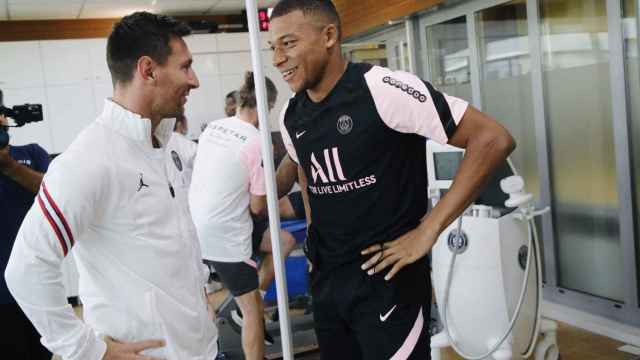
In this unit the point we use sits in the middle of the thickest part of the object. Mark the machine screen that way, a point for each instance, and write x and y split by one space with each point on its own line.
446 164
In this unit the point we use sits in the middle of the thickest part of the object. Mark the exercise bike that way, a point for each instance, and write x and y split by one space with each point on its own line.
302 325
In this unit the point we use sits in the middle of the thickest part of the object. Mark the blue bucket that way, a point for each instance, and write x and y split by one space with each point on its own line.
297 278
298 228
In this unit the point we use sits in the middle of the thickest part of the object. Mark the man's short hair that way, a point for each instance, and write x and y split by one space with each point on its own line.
1 98
140 34
232 95
323 8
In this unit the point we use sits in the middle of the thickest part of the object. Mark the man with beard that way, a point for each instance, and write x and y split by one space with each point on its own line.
118 197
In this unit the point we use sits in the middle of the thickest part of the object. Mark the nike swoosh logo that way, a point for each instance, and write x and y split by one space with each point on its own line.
298 135
384 318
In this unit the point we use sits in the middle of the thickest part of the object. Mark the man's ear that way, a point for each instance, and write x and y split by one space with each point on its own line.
332 36
145 68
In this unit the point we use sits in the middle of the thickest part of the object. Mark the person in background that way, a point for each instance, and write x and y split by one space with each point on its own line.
231 103
21 172
357 133
228 201
117 198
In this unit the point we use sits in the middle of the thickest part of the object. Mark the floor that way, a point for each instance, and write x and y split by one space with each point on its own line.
578 344
574 343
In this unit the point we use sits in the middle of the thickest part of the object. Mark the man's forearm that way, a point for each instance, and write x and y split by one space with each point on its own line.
302 180
34 277
482 157
286 176
24 176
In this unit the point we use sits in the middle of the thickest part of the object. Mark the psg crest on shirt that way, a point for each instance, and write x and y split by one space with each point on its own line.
345 124
176 160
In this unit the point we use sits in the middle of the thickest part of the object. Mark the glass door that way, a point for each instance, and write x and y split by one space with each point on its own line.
579 115
448 57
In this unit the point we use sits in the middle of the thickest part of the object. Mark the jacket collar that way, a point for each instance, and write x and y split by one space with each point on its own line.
134 126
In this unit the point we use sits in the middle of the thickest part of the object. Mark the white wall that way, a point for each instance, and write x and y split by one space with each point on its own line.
70 79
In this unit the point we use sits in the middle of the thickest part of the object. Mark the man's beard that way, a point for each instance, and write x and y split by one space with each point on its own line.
176 112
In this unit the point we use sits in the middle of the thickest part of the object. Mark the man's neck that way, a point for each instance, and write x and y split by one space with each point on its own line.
137 105
334 71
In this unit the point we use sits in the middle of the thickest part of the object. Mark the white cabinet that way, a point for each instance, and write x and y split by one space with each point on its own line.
233 42
98 69
65 61
205 65
240 41
204 104
71 79
202 43
100 75
235 62
284 92
71 108
101 92
20 65
230 83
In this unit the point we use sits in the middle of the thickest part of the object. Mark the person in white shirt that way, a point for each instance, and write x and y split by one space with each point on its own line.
117 198
226 190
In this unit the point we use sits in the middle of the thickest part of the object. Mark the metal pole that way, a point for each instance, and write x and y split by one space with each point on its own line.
411 45
272 194
543 146
401 52
621 134
474 60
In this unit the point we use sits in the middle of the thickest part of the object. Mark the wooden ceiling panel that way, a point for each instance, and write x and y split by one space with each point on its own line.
361 15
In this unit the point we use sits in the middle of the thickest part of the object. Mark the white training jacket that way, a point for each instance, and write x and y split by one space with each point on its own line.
122 206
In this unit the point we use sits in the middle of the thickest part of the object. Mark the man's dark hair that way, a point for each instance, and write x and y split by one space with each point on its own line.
232 95
324 8
1 98
141 34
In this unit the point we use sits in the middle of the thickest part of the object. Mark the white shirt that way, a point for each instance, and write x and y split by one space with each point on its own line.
227 170
122 206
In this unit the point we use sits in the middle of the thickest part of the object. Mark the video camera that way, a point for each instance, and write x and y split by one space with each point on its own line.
21 115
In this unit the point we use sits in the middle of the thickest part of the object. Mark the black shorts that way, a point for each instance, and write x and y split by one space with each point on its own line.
358 316
295 198
239 277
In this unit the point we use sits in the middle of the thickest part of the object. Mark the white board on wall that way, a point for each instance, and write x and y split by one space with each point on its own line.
65 61
71 109
21 65
70 78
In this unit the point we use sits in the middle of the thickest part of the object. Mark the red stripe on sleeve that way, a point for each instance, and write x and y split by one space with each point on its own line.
59 213
53 225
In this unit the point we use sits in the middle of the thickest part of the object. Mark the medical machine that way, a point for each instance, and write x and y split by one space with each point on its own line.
486 269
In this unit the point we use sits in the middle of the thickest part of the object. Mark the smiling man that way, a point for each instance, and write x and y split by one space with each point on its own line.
117 198
358 135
